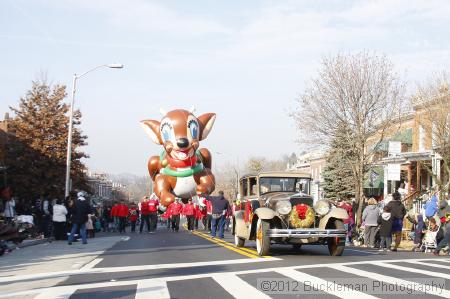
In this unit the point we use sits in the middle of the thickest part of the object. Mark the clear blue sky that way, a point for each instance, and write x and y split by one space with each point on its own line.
247 61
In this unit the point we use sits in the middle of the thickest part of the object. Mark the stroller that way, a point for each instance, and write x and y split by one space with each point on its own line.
358 236
429 241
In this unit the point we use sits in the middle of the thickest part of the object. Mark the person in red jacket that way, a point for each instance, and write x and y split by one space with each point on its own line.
144 215
153 204
134 214
122 213
166 216
115 217
349 222
198 215
203 214
175 211
189 212
208 215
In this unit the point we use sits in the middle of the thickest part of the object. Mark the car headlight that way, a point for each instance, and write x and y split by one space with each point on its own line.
322 207
283 207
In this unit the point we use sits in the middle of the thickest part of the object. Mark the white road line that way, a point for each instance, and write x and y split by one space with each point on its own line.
156 288
132 268
91 264
388 279
237 287
337 266
363 251
303 277
414 270
59 293
430 265
125 238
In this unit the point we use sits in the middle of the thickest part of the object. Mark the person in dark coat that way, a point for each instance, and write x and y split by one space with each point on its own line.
398 212
385 220
444 216
219 208
419 228
81 210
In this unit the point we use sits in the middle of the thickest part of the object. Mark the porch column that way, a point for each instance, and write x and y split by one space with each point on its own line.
419 185
436 166
409 177
385 181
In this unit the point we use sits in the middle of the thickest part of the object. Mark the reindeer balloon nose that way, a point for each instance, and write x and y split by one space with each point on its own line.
182 170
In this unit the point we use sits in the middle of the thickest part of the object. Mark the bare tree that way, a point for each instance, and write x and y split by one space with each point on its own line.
227 180
432 103
360 91
258 164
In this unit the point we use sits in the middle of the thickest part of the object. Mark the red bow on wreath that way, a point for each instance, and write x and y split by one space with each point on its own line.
301 210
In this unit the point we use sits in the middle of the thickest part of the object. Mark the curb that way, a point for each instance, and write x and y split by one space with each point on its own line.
33 243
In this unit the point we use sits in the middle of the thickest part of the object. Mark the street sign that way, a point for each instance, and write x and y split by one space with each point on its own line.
395 148
393 172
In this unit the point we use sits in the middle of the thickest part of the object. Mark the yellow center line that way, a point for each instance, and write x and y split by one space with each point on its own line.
252 251
228 246
241 250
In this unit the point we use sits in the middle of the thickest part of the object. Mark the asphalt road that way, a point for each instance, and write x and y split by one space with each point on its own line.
184 265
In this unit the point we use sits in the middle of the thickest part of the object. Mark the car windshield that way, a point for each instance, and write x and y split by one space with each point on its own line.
268 184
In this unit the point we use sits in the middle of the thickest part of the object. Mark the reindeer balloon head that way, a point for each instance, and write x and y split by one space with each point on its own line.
182 170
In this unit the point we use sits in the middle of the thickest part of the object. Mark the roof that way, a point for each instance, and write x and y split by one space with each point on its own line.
289 174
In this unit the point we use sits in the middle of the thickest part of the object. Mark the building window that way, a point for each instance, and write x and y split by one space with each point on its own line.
433 135
320 172
421 138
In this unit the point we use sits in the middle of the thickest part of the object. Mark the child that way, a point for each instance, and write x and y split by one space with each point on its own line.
419 229
432 236
90 226
385 221
133 216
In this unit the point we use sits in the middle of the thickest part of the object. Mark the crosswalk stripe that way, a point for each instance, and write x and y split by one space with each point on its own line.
414 270
60 293
131 268
237 287
156 289
387 279
302 277
92 264
430 265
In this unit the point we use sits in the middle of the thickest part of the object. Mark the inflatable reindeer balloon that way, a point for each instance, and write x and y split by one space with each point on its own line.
182 170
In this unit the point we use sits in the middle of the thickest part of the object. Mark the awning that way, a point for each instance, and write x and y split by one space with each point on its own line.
405 137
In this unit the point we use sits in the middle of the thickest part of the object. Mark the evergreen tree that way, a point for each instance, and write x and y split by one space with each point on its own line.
37 150
338 173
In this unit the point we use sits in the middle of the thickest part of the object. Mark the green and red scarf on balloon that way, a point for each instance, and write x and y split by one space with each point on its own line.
189 167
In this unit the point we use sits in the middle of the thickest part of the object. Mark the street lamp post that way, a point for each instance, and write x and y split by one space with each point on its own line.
69 138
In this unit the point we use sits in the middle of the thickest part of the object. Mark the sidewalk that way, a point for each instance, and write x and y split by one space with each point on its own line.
49 257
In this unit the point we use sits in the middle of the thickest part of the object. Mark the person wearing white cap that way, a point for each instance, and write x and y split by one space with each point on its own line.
80 216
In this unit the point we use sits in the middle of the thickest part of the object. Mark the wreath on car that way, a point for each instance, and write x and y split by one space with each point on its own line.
302 216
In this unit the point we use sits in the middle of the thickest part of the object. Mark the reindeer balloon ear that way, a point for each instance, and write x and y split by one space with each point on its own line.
151 127
206 122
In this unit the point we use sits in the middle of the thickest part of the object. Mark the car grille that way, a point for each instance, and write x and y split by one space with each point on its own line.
301 200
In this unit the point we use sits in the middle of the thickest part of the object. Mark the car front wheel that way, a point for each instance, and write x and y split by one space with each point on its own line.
336 245
262 239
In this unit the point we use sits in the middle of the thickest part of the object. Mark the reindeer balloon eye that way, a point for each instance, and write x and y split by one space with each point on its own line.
193 128
166 132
